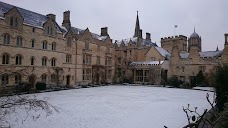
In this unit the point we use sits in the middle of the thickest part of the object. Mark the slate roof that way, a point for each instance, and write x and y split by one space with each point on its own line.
30 18
134 41
205 54
163 52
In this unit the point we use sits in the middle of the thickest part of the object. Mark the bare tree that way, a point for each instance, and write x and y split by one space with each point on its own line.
58 72
10 101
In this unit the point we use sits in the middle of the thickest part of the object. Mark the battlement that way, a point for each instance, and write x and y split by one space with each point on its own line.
171 38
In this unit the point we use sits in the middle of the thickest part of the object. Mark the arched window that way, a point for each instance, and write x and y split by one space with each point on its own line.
33 43
53 46
6 39
19 41
18 60
17 78
53 62
49 30
44 78
5 79
53 77
68 58
44 45
69 42
32 60
5 58
44 61
11 21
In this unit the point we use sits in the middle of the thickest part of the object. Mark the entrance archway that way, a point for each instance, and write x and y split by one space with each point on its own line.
32 80
68 80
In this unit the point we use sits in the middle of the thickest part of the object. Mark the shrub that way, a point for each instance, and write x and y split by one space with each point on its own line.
23 87
40 86
173 81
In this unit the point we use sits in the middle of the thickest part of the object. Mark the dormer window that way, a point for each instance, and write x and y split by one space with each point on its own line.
13 22
33 30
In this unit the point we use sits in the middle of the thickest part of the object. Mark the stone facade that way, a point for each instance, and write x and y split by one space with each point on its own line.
40 50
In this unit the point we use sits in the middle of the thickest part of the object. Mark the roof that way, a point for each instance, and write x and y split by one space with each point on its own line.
152 63
30 18
163 52
205 54
134 41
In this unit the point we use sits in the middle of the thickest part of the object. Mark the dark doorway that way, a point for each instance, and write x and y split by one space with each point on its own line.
32 80
68 80
193 81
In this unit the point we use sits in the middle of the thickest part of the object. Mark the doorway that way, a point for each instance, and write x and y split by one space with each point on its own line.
68 80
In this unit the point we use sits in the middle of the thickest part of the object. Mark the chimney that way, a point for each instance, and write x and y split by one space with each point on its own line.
66 20
140 33
148 36
226 37
51 16
104 31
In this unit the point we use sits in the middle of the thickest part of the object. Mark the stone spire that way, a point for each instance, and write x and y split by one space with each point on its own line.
217 49
137 27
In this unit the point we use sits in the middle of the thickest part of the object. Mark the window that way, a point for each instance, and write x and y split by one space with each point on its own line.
44 78
107 50
87 44
108 61
44 61
98 60
68 58
53 62
19 41
33 30
18 60
139 76
17 78
87 74
44 44
5 58
49 30
6 39
5 79
98 48
152 58
202 68
109 74
33 43
87 58
32 60
13 22
53 77
119 60
69 42
146 76
53 46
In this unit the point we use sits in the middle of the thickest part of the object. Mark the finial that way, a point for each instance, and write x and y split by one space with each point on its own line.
137 12
194 29
217 49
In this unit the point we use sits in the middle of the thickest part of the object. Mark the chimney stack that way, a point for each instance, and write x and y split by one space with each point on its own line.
226 37
51 16
104 31
66 20
148 36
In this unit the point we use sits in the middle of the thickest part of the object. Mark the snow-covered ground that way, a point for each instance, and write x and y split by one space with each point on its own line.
117 107
204 88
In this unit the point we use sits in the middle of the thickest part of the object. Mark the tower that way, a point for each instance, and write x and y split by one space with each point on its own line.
194 40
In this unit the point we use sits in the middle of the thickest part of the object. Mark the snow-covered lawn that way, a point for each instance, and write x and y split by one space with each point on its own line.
118 107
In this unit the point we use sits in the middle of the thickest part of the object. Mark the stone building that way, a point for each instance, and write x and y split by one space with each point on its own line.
34 47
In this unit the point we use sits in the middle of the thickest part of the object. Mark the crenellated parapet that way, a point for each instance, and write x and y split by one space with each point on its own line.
171 38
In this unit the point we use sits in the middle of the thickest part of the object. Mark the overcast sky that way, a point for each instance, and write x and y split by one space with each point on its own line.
157 17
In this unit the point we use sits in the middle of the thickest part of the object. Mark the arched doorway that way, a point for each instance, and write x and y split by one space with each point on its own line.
68 80
32 80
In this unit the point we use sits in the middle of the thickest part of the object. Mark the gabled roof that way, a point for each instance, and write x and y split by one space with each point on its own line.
135 40
163 52
30 18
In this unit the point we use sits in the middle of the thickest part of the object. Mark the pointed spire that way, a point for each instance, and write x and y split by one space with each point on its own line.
194 29
137 26
217 49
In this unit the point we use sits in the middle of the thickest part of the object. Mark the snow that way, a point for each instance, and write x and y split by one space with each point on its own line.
163 52
204 88
118 107
147 63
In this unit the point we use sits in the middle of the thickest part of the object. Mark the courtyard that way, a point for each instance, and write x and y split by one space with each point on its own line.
116 107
